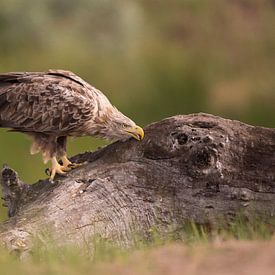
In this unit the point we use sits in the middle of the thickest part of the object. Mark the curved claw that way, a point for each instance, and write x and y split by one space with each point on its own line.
68 165
48 172
61 169
56 169
66 168
74 165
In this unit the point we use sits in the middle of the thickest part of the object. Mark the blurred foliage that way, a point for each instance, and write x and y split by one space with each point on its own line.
152 58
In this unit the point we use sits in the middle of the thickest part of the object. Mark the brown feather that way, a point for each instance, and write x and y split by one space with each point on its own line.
31 102
49 106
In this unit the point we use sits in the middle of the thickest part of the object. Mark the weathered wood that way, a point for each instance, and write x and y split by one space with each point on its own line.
195 167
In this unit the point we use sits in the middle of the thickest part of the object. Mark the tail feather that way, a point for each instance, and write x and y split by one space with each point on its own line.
6 81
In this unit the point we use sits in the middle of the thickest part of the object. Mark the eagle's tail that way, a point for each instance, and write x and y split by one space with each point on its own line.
6 81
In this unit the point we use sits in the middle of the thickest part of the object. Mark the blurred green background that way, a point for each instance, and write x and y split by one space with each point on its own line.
152 58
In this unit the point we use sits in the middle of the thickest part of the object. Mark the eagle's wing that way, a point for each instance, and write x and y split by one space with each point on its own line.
53 102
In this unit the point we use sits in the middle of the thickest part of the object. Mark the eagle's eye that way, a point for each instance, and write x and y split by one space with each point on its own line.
124 125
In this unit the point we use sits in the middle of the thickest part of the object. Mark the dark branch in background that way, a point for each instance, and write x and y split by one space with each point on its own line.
196 167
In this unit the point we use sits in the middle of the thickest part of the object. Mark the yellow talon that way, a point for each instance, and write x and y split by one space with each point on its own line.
61 169
65 161
75 165
67 164
56 169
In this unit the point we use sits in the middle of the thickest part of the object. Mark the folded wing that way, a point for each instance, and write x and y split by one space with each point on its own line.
56 102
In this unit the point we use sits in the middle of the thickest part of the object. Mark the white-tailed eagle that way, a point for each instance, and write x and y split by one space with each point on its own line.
50 106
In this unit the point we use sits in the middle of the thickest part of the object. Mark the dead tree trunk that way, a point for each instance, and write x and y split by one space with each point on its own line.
195 167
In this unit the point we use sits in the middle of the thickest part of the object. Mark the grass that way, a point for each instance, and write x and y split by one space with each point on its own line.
104 257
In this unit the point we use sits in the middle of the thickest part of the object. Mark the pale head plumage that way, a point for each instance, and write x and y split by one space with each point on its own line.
110 123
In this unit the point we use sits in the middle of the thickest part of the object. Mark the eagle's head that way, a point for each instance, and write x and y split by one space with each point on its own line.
117 126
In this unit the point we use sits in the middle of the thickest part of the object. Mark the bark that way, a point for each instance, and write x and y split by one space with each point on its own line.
195 167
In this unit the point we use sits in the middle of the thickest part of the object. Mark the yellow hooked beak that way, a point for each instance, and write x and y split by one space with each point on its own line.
136 132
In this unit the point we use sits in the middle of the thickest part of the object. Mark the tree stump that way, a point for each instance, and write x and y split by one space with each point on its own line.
196 167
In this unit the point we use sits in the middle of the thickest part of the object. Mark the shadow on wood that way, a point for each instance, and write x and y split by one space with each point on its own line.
195 167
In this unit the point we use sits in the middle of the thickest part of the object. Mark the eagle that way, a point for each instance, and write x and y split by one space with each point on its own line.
54 105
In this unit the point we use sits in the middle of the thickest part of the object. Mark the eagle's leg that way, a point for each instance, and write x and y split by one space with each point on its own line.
49 147
67 165
56 169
